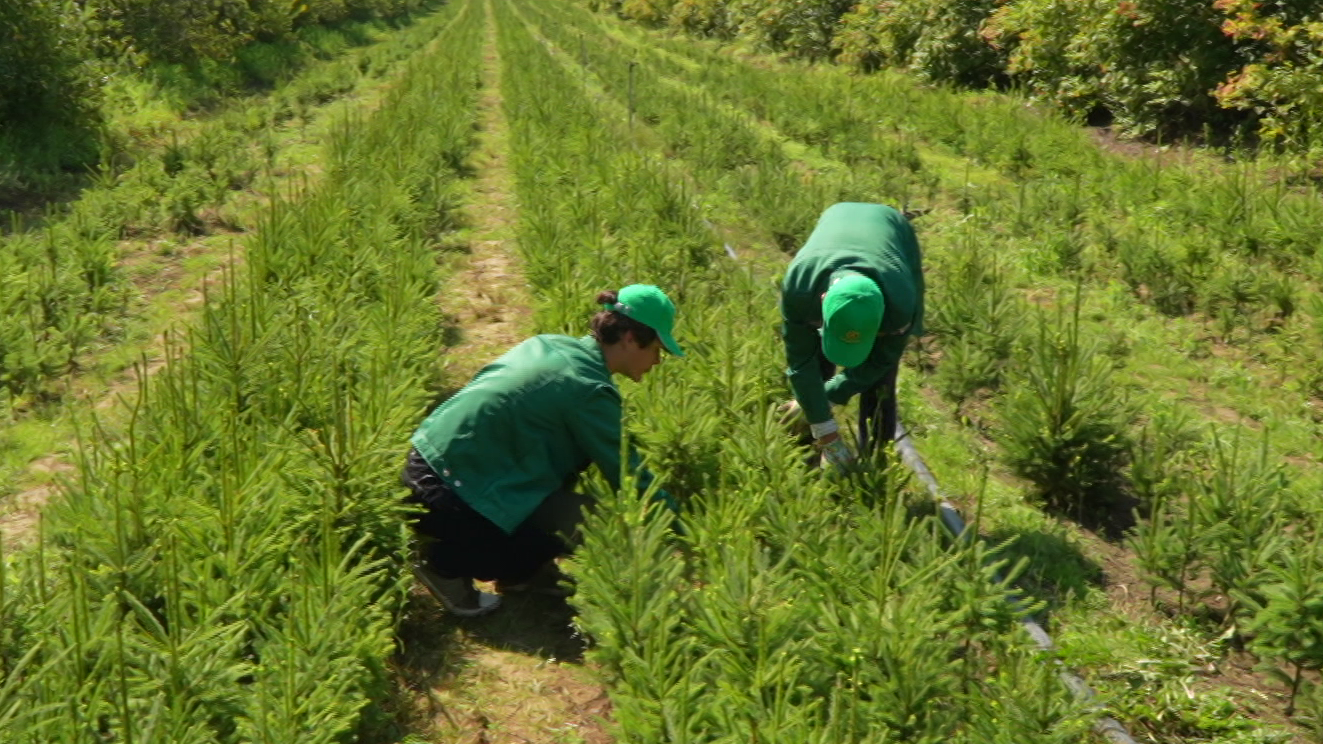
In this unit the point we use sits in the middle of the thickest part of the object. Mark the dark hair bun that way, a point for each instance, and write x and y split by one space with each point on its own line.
606 298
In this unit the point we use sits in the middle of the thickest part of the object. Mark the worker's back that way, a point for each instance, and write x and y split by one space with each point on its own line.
511 436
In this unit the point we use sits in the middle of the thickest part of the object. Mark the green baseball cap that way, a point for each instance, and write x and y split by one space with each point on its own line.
651 307
851 314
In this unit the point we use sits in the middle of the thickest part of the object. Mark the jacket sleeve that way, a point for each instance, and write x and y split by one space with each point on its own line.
850 382
802 367
596 428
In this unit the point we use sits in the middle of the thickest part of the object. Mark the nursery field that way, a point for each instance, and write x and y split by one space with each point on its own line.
1121 389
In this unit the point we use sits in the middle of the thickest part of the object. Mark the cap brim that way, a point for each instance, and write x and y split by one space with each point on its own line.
845 355
670 344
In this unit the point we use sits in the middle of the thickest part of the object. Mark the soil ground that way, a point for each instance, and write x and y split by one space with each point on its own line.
516 676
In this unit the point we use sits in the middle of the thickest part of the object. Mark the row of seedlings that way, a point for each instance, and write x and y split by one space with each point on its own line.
64 289
793 609
230 568
728 150
1232 242
1066 428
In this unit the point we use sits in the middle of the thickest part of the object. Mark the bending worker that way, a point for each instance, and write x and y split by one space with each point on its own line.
493 466
851 297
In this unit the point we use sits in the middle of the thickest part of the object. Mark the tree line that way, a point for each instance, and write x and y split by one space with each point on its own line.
1239 69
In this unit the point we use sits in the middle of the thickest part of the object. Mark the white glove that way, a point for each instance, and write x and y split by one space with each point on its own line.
836 454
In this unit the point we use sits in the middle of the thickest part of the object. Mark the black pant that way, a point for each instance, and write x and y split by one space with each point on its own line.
461 543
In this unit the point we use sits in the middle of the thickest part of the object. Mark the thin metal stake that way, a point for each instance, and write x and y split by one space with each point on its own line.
632 65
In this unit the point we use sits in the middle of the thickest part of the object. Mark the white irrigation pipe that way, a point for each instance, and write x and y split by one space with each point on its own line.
1106 726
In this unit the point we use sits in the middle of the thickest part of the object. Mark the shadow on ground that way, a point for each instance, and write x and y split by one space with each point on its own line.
515 675
433 642
1056 566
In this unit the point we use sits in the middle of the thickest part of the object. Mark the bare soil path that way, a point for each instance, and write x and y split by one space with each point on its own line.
516 676
486 294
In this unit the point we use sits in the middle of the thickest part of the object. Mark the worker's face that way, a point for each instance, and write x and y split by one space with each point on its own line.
639 359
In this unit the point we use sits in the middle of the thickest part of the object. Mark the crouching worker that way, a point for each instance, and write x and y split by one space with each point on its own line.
494 465
851 297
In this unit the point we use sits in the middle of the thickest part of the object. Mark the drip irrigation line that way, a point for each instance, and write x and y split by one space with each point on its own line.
1107 727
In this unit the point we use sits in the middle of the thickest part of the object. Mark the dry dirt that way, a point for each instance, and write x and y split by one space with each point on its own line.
516 676
487 296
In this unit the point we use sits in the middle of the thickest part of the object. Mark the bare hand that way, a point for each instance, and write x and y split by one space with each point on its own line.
787 413
791 416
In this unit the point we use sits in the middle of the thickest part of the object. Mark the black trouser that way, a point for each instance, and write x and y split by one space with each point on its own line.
877 413
877 407
464 544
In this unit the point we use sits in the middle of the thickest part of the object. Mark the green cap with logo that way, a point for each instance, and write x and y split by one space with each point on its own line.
851 314
651 307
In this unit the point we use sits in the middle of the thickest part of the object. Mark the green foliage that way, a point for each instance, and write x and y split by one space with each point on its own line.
48 96
940 40
189 33
704 18
1284 80
647 12
1287 623
1239 508
1167 539
788 611
1168 548
802 28
1162 234
60 292
63 289
1151 63
975 315
1151 66
1160 456
1063 422
228 569
64 63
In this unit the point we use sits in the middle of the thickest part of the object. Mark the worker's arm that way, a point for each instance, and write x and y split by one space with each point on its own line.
802 366
596 427
885 356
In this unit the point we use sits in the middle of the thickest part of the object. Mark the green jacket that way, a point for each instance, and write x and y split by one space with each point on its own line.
527 422
878 242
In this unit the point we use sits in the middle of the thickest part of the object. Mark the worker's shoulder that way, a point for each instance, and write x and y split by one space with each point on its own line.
850 211
577 360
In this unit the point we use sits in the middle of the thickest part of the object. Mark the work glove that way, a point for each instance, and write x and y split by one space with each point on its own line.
836 455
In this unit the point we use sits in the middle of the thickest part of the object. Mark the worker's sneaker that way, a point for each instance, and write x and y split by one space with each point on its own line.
458 596
546 581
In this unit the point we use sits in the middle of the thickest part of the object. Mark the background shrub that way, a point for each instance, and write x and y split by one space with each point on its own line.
1162 68
941 40
1152 64
47 97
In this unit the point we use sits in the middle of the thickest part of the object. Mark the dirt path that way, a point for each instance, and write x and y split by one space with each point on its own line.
516 676
486 294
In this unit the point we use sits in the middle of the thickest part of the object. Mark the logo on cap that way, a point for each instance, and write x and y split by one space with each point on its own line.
851 337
